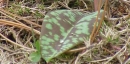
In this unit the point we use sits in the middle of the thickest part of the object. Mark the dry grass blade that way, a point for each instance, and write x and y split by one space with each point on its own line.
125 3
6 49
20 18
81 48
10 17
87 51
115 19
64 5
5 22
110 46
119 52
16 43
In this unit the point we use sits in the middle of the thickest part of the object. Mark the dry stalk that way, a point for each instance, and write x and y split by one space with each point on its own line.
96 30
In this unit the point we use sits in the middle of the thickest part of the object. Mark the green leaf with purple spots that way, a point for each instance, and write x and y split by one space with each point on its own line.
64 29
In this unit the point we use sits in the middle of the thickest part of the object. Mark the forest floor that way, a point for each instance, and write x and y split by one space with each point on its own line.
18 19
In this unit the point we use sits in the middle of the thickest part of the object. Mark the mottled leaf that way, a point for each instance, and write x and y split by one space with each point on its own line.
64 29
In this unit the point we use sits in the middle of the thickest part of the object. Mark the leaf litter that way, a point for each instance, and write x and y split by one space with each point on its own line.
110 46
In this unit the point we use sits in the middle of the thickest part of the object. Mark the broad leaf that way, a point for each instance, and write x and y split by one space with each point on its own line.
36 56
64 29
